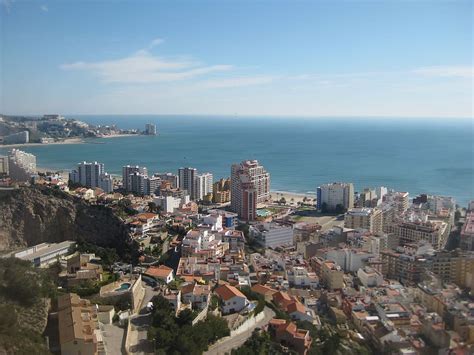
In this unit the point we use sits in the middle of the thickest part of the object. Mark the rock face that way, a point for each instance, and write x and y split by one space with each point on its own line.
32 215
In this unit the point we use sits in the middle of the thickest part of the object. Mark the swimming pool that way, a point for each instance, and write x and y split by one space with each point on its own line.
123 287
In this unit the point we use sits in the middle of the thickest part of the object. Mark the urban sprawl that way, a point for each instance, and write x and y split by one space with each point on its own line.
239 266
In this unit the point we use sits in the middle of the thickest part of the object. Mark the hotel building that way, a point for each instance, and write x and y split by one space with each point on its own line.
250 186
21 165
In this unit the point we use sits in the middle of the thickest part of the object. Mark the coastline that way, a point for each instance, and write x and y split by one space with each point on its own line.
66 141
23 145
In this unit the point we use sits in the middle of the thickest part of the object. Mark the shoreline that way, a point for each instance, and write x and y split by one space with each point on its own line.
76 140
289 196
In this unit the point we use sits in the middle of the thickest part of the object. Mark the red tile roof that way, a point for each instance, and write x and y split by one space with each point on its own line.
161 271
226 292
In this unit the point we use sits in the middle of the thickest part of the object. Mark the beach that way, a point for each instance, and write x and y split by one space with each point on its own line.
65 141
291 196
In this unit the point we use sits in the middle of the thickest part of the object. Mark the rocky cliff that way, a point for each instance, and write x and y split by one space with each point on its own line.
32 215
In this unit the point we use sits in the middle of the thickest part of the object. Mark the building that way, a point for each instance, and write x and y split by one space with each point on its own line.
88 174
364 218
150 129
106 183
4 165
330 196
79 331
332 275
186 178
271 234
232 299
467 232
21 165
202 186
127 171
250 186
369 277
221 191
287 333
168 204
162 272
456 266
44 254
17 138
434 232
169 177
152 185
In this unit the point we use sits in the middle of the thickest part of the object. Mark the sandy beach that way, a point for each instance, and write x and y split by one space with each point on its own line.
66 141
297 197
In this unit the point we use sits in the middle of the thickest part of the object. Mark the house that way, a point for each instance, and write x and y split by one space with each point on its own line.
298 311
265 291
196 295
162 272
287 333
232 299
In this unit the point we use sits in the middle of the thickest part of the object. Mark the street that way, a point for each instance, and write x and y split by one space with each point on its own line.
225 345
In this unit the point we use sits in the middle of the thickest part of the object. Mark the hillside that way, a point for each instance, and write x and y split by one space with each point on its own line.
32 215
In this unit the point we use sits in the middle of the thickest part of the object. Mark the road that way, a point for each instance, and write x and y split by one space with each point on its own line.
139 343
225 345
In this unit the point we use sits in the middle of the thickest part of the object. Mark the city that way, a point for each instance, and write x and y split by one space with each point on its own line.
375 271
237 177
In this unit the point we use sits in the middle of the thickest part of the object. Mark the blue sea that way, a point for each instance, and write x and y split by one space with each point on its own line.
415 155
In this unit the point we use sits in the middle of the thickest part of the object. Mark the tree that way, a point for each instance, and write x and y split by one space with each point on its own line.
282 201
340 209
152 207
324 207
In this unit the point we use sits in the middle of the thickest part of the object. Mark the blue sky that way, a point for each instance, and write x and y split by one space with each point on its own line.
290 58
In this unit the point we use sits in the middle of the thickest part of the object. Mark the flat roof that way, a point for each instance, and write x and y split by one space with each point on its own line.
50 249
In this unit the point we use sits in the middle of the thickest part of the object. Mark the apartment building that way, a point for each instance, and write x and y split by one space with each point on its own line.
332 275
434 232
221 191
21 165
250 186
186 178
330 196
79 331
202 186
127 171
364 218
272 234
467 232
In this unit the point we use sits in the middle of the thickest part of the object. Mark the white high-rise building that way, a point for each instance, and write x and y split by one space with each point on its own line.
334 194
150 129
186 178
129 170
202 185
250 186
88 174
21 165
106 183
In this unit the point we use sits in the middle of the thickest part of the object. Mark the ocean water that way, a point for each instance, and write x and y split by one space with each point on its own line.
419 156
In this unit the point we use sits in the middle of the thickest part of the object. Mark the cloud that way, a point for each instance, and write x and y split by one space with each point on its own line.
155 42
44 8
447 71
236 82
142 67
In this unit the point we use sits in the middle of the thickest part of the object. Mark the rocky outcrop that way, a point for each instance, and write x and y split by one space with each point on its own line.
32 215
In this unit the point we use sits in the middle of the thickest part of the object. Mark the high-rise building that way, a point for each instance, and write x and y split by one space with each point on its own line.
152 185
129 170
106 183
87 174
202 185
250 186
150 129
186 178
137 183
3 165
21 165
330 196
364 218
171 178
17 138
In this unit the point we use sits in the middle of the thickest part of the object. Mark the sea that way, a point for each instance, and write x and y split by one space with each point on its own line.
414 155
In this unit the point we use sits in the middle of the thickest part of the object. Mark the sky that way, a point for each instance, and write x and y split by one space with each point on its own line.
271 58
